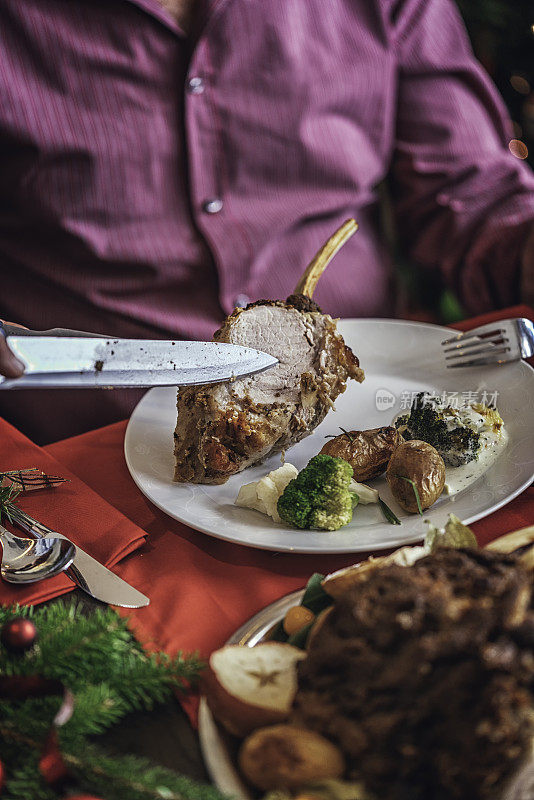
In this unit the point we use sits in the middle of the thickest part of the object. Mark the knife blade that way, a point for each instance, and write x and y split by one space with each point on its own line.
101 583
62 361
85 571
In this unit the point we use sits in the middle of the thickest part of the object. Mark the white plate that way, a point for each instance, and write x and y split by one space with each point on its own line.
398 358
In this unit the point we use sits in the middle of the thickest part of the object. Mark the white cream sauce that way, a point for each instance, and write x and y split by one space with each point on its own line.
459 478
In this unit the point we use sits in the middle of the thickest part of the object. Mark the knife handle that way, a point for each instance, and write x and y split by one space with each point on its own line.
19 330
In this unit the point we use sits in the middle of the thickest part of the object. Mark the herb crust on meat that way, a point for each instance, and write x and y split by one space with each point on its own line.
224 428
424 676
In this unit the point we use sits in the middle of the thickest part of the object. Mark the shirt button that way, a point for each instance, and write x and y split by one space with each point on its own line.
195 85
242 301
213 206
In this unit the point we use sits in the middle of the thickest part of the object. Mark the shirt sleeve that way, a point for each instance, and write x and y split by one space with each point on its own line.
464 204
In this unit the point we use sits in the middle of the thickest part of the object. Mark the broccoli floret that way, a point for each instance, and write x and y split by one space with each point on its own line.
319 497
435 423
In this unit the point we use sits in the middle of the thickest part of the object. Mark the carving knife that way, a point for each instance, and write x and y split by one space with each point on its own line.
71 359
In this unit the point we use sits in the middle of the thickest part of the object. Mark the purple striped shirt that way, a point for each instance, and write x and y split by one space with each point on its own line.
151 181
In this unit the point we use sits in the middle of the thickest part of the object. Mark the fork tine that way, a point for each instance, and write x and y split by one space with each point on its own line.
462 346
495 343
483 358
482 352
479 362
484 331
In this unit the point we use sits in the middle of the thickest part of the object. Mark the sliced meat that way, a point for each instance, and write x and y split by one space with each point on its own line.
424 676
223 429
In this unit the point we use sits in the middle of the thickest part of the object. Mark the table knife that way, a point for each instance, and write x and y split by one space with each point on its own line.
85 571
74 359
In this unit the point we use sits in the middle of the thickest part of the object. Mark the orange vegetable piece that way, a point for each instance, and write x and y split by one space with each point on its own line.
297 618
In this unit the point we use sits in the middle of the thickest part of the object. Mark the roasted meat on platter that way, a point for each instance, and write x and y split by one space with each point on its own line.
224 428
423 676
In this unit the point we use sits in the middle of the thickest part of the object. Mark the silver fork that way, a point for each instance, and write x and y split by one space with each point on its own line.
496 343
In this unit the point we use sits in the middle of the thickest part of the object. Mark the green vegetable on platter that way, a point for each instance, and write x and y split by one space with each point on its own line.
320 495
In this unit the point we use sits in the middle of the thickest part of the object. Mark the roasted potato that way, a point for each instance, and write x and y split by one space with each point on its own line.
286 757
368 452
421 463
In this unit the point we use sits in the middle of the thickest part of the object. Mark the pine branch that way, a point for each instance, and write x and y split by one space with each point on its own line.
110 675
31 718
68 642
7 495
97 708
20 753
132 778
26 783
120 777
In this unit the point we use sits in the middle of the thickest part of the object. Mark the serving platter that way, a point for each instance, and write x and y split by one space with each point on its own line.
399 358
218 747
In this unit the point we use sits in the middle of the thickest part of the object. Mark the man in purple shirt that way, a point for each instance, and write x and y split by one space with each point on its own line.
165 160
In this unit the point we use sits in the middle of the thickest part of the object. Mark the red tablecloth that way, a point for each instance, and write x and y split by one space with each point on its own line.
201 588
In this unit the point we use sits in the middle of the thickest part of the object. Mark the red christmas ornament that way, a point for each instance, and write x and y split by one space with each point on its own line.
18 635
2 776
51 765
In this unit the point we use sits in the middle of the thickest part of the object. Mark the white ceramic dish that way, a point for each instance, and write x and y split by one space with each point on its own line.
399 358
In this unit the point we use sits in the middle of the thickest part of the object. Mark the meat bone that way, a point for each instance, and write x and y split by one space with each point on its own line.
316 267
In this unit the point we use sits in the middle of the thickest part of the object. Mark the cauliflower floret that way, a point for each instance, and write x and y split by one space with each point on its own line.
263 495
247 497
267 494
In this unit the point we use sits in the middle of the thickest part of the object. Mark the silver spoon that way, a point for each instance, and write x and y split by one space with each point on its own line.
31 560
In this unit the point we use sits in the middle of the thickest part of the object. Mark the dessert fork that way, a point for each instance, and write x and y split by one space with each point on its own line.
495 343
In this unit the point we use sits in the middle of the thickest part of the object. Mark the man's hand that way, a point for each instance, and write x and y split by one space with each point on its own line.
527 275
10 366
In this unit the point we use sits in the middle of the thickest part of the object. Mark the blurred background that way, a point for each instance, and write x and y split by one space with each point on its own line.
502 36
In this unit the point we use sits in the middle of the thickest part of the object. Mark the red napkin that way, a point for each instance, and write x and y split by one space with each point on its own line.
202 589
72 509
